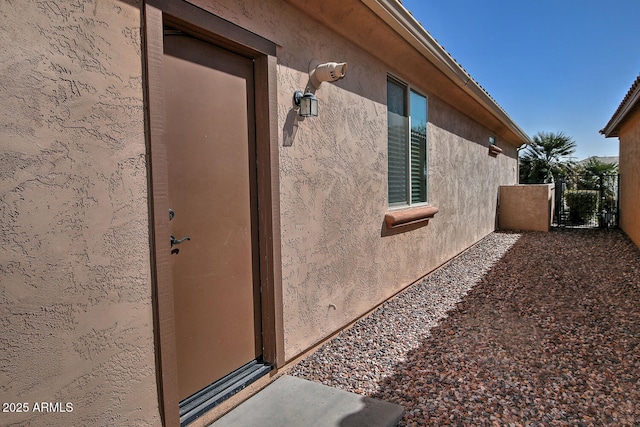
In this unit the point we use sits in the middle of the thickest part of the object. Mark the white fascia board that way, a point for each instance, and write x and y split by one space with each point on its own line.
613 127
401 20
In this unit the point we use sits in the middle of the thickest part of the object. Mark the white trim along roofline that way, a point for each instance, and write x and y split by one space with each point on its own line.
628 104
401 20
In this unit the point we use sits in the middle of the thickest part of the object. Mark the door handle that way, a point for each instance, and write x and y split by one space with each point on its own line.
175 241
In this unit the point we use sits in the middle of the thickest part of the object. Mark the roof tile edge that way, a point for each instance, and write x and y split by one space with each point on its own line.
403 22
630 100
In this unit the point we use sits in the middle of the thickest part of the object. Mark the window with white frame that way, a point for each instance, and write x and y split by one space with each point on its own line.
407 145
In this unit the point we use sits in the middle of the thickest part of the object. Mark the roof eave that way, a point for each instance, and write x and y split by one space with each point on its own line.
631 101
401 20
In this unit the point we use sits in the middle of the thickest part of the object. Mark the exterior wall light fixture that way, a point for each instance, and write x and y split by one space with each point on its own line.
318 73
307 102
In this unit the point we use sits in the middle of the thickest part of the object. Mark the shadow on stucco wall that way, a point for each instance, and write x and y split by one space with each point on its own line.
385 232
290 128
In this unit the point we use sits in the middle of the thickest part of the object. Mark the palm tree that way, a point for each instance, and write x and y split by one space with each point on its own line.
593 169
600 176
546 159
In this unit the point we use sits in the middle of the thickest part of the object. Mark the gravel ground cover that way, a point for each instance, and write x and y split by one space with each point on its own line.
539 329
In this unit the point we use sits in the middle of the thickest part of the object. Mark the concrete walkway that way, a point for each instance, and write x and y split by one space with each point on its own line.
294 402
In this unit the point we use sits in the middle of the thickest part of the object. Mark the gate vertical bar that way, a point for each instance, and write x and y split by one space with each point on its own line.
600 208
618 200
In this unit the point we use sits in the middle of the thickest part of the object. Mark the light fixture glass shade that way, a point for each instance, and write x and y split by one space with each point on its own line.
308 104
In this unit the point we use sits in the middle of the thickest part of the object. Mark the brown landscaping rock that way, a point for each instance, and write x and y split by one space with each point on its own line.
522 329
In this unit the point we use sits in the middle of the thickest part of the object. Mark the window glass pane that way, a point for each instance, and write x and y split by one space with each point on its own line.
397 155
418 105
418 111
407 144
396 96
398 137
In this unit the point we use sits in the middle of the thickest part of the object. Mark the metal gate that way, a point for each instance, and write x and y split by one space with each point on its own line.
587 201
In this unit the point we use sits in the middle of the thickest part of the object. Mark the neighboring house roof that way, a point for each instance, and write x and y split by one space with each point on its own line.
629 104
609 160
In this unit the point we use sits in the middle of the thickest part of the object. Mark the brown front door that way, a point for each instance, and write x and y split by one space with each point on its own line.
210 131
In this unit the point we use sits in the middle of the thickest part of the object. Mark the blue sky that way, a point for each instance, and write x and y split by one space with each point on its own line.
553 65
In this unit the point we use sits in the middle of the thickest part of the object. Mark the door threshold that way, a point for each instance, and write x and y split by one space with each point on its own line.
197 404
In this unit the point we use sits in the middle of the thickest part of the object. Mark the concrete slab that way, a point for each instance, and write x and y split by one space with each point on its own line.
294 402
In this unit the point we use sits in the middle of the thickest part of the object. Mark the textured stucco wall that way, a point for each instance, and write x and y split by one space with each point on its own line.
338 260
526 207
630 178
465 177
333 197
76 293
76 313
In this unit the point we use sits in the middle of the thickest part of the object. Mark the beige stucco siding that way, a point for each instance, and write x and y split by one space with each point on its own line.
630 177
76 289
464 177
526 207
76 312
338 260
332 185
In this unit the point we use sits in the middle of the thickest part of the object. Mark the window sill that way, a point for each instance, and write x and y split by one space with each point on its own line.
494 150
409 216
